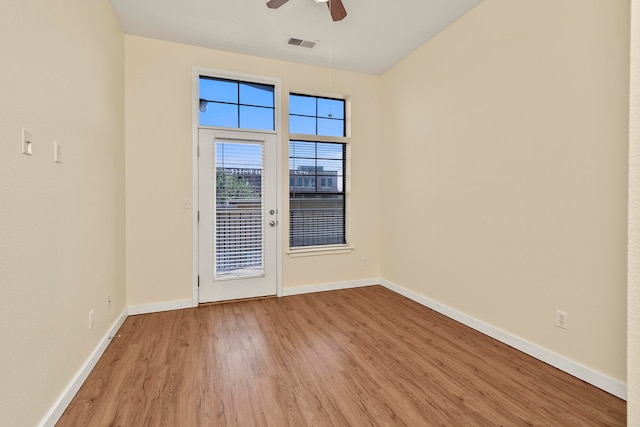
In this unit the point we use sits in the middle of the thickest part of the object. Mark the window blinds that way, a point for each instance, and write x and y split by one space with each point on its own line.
239 234
317 197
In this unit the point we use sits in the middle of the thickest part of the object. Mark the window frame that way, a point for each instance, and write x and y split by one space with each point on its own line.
318 117
300 251
196 73
241 79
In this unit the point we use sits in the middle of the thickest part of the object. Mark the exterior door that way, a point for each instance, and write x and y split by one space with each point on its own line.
238 215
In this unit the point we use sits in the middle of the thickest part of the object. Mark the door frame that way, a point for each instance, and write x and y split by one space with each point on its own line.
195 126
230 287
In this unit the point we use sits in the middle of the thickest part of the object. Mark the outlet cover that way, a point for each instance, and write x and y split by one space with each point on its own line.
562 319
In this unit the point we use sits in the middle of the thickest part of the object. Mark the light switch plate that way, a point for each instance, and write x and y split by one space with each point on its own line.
26 142
57 151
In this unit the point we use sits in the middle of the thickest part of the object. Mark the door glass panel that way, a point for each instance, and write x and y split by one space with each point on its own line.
239 234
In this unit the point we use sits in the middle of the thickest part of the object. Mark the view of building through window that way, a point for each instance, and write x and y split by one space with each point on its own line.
317 169
316 172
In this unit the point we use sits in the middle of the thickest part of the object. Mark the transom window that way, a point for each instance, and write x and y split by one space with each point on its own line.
313 115
317 171
236 104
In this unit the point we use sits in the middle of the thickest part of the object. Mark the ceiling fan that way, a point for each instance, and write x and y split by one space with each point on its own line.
336 8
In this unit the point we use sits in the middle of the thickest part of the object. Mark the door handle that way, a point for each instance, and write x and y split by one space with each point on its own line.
272 223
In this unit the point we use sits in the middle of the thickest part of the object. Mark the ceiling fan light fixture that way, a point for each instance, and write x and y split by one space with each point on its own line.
336 8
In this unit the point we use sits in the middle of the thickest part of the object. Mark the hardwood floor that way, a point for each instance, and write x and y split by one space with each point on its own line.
356 357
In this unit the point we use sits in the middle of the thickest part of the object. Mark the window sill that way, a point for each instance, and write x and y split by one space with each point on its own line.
320 250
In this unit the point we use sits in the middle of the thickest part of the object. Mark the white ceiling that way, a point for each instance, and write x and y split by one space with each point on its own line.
374 36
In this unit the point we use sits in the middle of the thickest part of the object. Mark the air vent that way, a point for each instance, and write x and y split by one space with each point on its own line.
302 43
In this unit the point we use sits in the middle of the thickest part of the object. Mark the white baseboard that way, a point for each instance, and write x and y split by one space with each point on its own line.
160 306
65 398
582 372
308 289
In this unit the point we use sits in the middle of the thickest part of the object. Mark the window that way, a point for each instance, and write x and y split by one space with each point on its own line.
317 161
311 115
236 104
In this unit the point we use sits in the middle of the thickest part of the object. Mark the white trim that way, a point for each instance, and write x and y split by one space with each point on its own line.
319 250
160 306
308 289
240 135
65 398
279 166
318 138
582 372
235 75
195 203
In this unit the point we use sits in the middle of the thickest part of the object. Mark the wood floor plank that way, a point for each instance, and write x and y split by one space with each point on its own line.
355 357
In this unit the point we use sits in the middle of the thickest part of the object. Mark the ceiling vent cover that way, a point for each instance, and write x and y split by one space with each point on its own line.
302 43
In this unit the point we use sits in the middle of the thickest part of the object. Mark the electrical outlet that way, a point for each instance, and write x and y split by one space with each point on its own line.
91 319
364 260
562 319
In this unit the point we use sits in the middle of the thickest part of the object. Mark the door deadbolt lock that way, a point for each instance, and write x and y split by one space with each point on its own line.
272 212
273 223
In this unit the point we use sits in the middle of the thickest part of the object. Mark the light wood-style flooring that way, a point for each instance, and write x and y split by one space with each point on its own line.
356 357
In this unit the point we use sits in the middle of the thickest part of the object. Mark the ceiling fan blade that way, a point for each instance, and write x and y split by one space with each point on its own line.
338 12
274 4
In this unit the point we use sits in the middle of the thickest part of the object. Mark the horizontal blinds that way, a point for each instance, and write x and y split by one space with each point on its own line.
316 188
239 234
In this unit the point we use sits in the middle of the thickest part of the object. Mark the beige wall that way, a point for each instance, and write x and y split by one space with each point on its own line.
159 170
506 141
633 350
61 225
510 127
